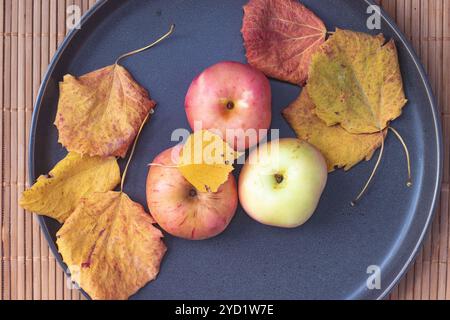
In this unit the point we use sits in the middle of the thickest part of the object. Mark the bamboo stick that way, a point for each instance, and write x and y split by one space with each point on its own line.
50 17
84 5
2 143
6 155
61 28
434 276
53 27
446 59
390 7
424 33
407 16
445 84
28 115
443 241
446 126
400 15
394 293
13 144
443 221
59 284
38 285
418 271
433 18
402 289
409 283
438 18
432 34
415 25
20 149
48 275
426 265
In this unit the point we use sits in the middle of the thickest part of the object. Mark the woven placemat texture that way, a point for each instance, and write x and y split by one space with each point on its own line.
30 33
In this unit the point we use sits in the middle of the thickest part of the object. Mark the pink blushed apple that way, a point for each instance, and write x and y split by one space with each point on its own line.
183 211
282 182
233 100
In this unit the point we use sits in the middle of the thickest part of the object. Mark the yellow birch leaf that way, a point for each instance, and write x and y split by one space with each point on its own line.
74 177
206 161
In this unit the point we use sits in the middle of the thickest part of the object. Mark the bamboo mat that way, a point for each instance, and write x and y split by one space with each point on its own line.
31 31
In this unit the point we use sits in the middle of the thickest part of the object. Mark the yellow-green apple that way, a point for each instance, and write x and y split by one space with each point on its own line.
180 209
233 100
282 182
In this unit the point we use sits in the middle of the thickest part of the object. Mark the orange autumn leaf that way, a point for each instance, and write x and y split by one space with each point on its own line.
110 246
340 148
99 113
355 81
280 37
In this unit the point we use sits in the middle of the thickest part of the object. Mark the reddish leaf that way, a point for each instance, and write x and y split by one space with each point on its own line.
280 37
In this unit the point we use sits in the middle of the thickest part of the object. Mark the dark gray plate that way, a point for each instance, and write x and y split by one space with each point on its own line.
329 256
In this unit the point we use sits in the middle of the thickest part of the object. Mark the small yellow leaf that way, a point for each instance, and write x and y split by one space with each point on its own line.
110 246
206 161
71 179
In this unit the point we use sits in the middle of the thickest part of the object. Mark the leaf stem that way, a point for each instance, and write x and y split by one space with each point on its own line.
163 165
353 203
409 183
133 149
172 28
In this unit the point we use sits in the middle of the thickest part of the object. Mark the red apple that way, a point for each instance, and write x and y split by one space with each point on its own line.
183 211
233 100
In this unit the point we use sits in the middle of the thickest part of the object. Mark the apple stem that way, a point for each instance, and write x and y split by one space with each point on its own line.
409 182
172 28
122 182
353 203
279 178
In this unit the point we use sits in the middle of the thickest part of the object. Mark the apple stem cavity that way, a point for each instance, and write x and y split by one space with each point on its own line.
192 193
230 105
279 178
172 28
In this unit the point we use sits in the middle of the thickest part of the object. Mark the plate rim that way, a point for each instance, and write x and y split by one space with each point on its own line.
439 144
411 52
